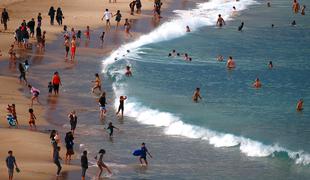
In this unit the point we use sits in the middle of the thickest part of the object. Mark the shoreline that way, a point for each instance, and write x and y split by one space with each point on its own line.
46 125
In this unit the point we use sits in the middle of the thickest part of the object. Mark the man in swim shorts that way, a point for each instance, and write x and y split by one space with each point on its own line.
220 21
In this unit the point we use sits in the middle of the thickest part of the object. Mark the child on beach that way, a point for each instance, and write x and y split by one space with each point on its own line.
13 108
101 164
121 105
144 153
110 128
220 21
35 94
84 164
107 16
69 146
102 38
102 103
97 82
10 163
128 71
32 119
50 87
87 33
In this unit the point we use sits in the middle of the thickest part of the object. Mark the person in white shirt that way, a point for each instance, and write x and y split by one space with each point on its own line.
107 16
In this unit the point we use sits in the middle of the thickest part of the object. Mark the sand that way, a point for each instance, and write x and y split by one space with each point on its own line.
32 149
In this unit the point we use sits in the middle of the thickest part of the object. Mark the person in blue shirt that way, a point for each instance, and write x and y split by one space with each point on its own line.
10 162
144 153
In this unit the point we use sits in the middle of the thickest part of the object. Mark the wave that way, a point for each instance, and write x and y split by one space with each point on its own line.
204 15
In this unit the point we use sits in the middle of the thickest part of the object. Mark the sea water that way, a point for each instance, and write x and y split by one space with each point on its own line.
257 123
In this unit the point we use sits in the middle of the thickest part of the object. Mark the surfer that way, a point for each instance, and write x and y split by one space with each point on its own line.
144 153
220 21
257 84
97 82
101 164
121 105
230 63
196 95
300 104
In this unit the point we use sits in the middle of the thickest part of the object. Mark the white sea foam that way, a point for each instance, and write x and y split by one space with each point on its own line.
204 15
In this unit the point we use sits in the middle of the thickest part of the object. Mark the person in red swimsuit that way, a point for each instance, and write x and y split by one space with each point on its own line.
73 48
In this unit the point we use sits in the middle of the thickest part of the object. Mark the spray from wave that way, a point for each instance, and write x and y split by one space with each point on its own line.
204 15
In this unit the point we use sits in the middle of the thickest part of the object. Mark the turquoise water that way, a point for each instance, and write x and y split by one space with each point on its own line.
262 122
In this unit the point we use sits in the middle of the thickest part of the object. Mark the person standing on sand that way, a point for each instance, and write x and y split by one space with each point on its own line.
73 48
295 6
35 94
10 163
69 145
107 16
220 21
4 19
56 158
56 82
39 18
121 105
127 28
67 47
118 18
84 164
51 14
31 25
102 103
59 16
73 121
196 95
22 72
101 164
14 113
39 36
144 153
32 119
132 7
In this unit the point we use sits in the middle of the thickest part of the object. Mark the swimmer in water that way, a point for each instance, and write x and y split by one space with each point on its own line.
220 21
220 58
241 26
188 29
173 53
295 6
299 106
196 95
128 71
268 4
257 84
293 23
230 63
186 57
270 65
272 25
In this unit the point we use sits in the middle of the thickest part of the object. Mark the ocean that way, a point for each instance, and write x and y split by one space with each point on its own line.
262 125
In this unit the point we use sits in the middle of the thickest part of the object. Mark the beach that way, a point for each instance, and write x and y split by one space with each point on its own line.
233 130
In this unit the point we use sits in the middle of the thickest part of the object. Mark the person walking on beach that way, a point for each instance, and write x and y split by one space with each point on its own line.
144 153
56 82
73 48
97 82
295 6
87 33
107 16
196 95
5 18
127 28
67 47
59 16
111 128
300 104
73 121
84 164
102 103
31 25
101 164
56 158
35 94
220 21
69 145
22 72
10 163
118 18
132 7
51 14
121 105
32 119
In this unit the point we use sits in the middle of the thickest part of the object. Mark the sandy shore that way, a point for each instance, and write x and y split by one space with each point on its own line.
33 149
77 14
